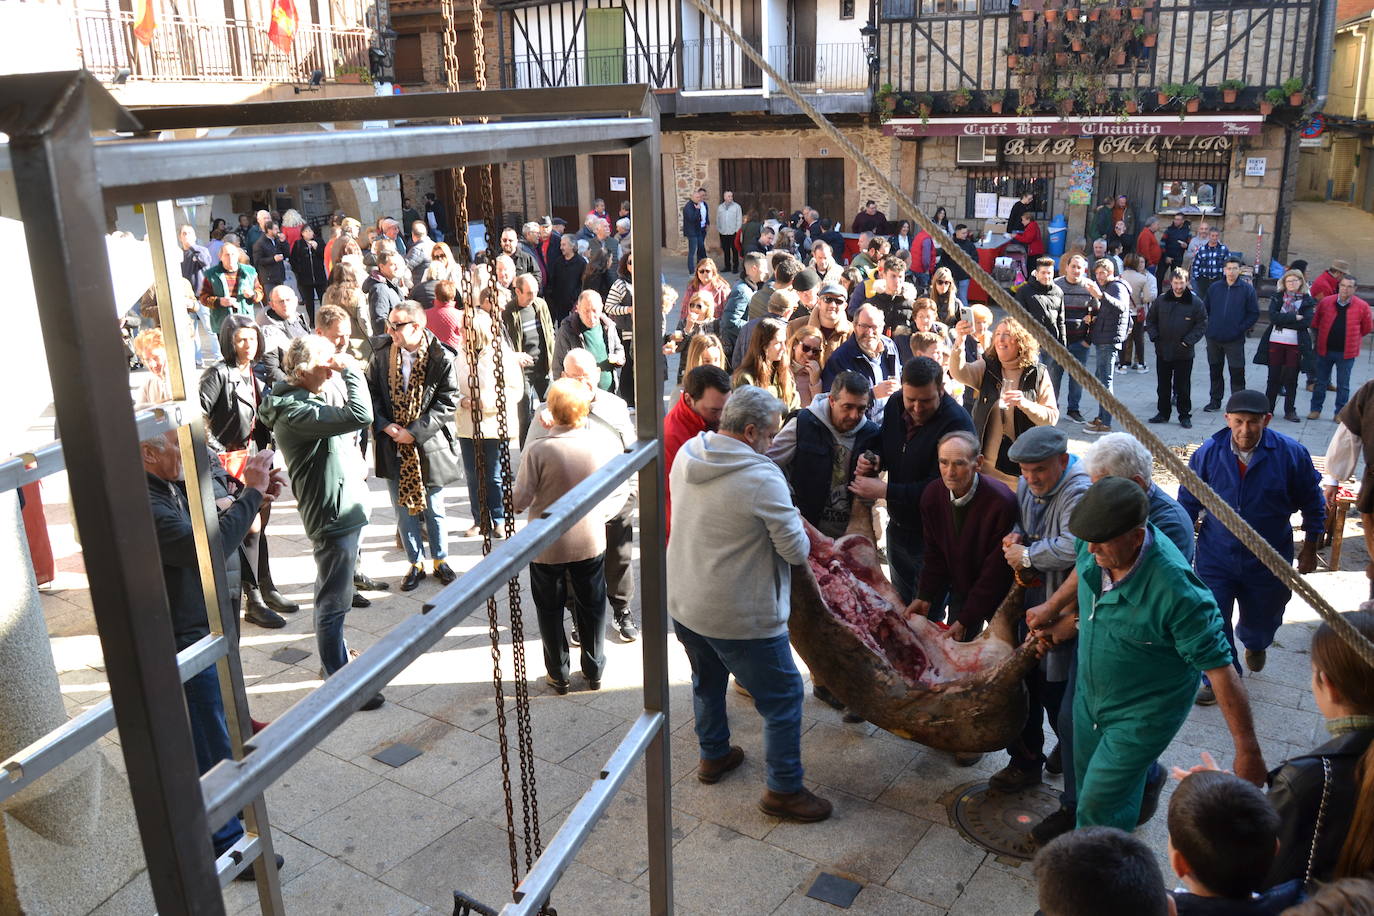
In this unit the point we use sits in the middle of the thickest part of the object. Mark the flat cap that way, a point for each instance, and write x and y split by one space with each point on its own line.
807 279
1248 401
1109 508
1038 444
833 289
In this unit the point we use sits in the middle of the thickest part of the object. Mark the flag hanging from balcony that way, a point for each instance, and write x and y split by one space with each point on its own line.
282 31
145 20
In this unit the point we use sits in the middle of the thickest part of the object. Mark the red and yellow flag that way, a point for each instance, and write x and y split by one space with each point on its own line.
282 31
145 20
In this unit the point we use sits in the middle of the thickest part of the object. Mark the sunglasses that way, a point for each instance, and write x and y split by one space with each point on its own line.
807 348
706 272
834 300
399 325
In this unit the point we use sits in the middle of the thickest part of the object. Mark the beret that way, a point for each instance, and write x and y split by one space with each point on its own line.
1109 508
807 279
1038 444
1248 401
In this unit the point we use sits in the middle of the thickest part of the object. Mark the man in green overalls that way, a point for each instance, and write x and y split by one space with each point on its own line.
1147 626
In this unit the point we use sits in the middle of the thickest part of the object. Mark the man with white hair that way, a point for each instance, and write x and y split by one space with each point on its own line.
733 515
281 321
531 244
314 437
391 231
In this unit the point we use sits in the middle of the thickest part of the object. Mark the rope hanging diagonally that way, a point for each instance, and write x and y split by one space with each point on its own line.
1213 503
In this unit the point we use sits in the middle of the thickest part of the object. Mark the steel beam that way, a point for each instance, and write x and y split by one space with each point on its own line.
134 171
410 106
59 194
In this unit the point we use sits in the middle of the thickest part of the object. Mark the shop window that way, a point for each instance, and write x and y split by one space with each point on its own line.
1193 183
1011 182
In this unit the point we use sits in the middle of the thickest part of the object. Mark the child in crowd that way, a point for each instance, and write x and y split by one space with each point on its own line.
1099 870
1223 835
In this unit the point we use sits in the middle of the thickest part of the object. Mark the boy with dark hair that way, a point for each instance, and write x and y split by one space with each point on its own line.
1098 869
1223 834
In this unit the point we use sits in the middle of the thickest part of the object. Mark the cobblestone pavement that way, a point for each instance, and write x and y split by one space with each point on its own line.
362 838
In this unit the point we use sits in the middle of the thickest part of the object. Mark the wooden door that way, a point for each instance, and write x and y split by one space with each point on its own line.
605 46
610 182
751 30
759 184
801 47
825 187
563 190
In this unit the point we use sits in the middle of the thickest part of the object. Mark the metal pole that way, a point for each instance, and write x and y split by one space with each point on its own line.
60 197
645 203
223 616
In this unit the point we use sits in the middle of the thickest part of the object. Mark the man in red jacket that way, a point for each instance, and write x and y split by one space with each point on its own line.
1339 327
704 391
1325 284
1147 244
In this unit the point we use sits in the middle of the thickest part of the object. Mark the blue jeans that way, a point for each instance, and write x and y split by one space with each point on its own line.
210 737
1080 350
764 667
1105 368
962 286
335 560
201 331
435 524
491 454
696 250
1322 378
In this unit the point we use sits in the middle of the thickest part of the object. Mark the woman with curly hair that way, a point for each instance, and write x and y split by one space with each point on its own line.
1015 392
766 363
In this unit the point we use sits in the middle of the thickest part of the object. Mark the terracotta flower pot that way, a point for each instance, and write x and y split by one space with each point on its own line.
1027 16
1266 107
1164 98
1115 12
1061 59
996 107
1295 99
1077 44
1149 40
1013 60
1024 39
1132 106
1137 12
1071 14
1119 58
1194 104
1228 96
1094 14
1066 107
1050 15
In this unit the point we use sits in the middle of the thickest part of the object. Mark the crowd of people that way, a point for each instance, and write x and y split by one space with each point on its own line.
805 383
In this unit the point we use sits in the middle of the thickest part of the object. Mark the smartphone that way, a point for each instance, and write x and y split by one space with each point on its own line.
966 315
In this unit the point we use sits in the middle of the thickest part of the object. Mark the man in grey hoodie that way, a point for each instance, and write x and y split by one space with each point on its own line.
733 516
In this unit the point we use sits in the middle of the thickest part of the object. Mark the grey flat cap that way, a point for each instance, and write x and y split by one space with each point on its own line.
1038 444
1109 508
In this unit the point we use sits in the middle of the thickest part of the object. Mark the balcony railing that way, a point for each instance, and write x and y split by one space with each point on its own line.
235 50
707 65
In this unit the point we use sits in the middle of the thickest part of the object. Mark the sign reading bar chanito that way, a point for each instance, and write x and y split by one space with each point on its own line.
1049 126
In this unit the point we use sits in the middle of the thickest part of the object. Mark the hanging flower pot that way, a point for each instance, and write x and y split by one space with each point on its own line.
1119 58
1295 99
1077 44
996 106
1115 12
1094 14
1149 39
1065 107
1100 97
1132 106
1012 60
1027 16
1061 58
1137 12
1163 98
1071 14
1050 14
1024 39
1228 96
1028 96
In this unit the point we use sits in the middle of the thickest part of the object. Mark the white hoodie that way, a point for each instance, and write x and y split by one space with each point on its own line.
735 538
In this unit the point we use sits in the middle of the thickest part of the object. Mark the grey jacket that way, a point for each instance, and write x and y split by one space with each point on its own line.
1043 524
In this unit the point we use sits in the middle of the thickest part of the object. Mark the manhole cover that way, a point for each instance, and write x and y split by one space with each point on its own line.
1000 822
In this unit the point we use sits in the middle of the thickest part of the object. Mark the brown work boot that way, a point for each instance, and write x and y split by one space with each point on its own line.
711 771
803 805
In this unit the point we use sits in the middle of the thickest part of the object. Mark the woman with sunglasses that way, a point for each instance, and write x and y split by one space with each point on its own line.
805 347
700 321
945 295
442 266
707 279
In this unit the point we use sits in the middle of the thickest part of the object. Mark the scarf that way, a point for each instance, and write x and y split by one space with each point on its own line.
405 409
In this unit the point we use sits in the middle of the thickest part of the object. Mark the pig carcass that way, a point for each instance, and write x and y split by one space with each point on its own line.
848 624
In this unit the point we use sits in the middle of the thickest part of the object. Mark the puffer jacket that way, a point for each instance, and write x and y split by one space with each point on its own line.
1175 324
1358 323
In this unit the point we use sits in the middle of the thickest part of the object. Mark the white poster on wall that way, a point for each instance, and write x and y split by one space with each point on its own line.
1255 166
617 184
984 205
1004 205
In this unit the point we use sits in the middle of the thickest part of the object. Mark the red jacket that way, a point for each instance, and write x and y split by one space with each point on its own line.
1358 322
681 424
1032 239
1325 285
1147 246
922 253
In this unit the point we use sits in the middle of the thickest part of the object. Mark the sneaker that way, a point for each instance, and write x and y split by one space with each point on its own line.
1012 778
1122 369
1255 659
712 771
1158 418
1054 763
1056 823
1097 426
574 637
1142 368
1075 416
803 806
626 625
361 600
1205 696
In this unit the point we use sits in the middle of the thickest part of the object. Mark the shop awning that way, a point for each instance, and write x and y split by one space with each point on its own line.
1229 125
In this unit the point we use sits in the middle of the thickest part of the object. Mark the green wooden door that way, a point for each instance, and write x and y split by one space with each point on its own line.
606 46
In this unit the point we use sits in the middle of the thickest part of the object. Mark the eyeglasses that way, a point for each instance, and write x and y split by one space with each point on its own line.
807 348
866 326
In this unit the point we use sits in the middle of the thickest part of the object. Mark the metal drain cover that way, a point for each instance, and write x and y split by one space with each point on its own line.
1001 822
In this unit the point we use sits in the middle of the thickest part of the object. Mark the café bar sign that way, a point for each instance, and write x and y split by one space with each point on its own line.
1140 126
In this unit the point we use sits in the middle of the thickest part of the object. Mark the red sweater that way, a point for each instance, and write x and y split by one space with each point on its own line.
1031 238
969 564
1358 323
681 424
1147 246
1325 285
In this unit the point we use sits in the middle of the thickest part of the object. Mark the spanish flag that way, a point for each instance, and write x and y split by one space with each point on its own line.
145 20
282 31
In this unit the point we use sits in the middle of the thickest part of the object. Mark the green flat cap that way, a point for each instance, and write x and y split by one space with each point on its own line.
1039 443
1110 508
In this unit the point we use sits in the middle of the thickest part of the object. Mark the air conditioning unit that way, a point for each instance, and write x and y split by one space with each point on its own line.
975 151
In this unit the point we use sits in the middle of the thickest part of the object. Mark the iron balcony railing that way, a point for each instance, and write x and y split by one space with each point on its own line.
217 50
713 64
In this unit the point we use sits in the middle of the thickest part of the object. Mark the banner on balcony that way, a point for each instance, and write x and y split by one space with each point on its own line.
1238 125
145 20
282 31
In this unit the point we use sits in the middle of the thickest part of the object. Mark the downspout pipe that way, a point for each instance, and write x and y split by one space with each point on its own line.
1325 52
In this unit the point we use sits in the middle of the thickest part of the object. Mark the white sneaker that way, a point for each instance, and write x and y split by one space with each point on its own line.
1142 368
1123 368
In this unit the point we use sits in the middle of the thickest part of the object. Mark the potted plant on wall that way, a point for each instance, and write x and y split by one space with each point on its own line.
1130 103
1077 36
1275 96
923 102
1147 35
995 100
1137 9
1230 89
1191 96
1063 100
960 98
1168 91
1295 90
1094 9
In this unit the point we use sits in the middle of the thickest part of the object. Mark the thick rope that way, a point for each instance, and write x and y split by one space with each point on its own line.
1213 503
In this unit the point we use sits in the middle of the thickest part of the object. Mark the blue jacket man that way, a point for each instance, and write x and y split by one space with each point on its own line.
1266 477
696 216
1232 309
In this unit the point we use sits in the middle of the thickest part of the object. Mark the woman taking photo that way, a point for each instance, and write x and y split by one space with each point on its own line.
1286 345
805 345
481 339
706 279
766 363
230 392
1015 393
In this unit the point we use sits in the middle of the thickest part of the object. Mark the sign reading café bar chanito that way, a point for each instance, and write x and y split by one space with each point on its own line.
1142 126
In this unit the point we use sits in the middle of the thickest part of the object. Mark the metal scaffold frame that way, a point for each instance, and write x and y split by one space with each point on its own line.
68 169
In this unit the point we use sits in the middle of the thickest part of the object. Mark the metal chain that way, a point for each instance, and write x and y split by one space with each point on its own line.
1219 508
1321 820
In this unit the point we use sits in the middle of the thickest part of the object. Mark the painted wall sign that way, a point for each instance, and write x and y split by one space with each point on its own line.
1108 146
1058 146
1142 126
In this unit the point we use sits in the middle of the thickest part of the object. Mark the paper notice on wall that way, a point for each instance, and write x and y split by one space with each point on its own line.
1004 205
984 206
617 184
